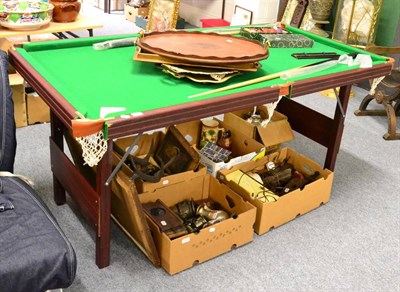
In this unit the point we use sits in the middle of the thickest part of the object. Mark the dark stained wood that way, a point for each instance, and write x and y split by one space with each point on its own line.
281 9
337 129
57 137
316 126
104 168
77 187
299 12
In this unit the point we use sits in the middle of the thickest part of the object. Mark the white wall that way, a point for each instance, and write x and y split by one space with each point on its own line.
264 11
194 10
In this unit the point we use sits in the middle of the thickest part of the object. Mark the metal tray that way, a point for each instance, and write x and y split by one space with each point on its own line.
154 58
201 47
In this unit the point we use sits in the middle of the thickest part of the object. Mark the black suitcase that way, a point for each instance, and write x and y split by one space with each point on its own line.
7 123
35 255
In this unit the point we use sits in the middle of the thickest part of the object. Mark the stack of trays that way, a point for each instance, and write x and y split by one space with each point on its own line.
201 56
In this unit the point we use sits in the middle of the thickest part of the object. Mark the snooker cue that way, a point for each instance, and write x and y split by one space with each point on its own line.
298 71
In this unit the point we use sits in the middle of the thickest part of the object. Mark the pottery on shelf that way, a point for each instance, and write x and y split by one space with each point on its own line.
25 15
320 12
65 10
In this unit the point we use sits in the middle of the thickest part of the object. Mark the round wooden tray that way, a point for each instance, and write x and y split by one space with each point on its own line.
200 47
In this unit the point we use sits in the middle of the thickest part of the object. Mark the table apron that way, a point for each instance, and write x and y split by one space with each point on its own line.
75 184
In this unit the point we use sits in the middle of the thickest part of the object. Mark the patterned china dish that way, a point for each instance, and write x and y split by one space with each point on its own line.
25 15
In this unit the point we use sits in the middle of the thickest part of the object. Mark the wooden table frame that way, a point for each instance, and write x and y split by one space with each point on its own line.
95 202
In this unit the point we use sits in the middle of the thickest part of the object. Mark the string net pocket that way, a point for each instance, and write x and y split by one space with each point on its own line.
93 147
270 109
374 84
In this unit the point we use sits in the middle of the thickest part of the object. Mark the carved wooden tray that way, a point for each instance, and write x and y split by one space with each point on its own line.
200 47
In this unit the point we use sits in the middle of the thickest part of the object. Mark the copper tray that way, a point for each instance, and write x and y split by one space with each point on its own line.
153 58
200 47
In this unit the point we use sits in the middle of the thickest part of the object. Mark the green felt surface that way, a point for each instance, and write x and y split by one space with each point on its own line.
91 79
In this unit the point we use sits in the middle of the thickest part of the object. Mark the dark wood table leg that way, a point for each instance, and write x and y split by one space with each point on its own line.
337 127
104 170
57 129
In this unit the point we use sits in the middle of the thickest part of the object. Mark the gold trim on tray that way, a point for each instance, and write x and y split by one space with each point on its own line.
163 15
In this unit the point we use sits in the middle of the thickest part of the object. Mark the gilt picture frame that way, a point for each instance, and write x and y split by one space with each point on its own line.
163 15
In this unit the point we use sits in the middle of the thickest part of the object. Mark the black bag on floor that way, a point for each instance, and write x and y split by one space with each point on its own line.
35 255
7 123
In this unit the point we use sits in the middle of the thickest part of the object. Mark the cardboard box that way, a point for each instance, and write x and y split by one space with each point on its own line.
131 12
141 21
243 148
272 136
5 44
18 88
37 110
291 205
140 150
181 253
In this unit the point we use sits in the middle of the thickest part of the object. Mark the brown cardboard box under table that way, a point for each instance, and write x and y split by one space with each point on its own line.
181 253
272 136
18 89
292 204
37 110
244 148
141 149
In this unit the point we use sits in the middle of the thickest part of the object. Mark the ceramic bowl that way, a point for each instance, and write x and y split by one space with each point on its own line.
25 15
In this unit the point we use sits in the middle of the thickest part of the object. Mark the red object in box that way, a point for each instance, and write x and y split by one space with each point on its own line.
214 22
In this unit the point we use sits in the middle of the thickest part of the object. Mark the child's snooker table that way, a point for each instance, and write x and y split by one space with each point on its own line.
71 76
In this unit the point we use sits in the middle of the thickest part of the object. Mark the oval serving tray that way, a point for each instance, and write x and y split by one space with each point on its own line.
201 47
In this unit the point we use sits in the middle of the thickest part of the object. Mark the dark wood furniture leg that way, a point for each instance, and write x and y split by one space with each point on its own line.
318 127
337 127
57 129
93 202
387 94
104 170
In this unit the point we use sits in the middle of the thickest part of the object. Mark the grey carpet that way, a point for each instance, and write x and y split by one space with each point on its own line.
349 244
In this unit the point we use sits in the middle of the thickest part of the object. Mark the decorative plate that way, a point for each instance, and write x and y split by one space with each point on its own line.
201 47
25 15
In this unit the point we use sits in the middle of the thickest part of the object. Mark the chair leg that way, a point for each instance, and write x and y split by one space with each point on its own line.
392 122
362 110
397 106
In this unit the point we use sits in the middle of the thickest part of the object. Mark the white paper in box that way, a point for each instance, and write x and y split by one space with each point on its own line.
244 148
214 167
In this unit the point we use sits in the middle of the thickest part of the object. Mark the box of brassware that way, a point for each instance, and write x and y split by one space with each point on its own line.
250 123
281 185
242 148
152 168
196 220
